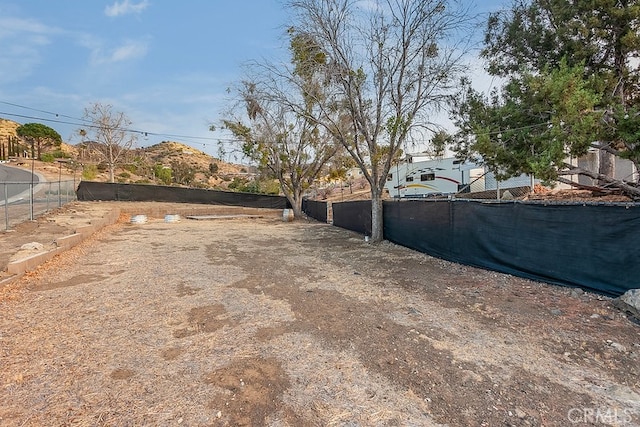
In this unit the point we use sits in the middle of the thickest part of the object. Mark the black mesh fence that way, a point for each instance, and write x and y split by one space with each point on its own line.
315 209
592 246
355 216
89 191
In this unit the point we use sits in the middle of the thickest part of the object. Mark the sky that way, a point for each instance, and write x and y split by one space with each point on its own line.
166 64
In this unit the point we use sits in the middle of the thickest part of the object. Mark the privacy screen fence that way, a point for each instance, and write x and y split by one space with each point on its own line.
592 246
315 209
89 191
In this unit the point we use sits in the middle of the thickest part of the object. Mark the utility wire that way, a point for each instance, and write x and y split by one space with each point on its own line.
86 123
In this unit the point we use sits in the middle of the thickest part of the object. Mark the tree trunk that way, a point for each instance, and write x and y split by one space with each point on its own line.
112 164
606 166
297 204
377 225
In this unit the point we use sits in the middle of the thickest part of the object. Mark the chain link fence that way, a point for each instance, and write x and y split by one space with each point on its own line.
24 201
487 187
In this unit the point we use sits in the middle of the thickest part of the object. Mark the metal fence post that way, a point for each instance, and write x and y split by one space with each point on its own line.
31 200
6 207
533 184
59 184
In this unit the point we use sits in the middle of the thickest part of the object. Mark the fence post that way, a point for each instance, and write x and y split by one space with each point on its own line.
533 183
31 199
59 184
6 207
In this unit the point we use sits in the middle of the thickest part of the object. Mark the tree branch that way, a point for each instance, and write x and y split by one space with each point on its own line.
612 182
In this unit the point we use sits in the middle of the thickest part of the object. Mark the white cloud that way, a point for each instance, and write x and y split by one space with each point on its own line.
125 7
131 49
22 41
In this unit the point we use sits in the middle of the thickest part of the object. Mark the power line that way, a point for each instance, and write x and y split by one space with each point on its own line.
41 111
86 123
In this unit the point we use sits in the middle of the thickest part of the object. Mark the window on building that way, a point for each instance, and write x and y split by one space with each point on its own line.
427 177
409 179
389 177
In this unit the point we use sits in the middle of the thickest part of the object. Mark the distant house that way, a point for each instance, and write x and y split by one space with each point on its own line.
354 173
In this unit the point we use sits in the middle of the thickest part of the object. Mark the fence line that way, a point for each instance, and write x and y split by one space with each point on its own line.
570 244
24 201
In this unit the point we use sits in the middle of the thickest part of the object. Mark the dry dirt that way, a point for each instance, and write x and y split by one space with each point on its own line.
252 322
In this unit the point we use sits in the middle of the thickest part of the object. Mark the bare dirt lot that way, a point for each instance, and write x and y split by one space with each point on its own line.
256 321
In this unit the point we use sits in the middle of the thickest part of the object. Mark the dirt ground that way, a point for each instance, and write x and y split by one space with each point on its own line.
257 321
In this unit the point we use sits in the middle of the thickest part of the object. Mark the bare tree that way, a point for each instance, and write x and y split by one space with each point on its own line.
293 149
108 134
279 134
390 66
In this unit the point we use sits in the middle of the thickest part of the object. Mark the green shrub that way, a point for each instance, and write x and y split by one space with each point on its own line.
47 157
124 175
132 168
163 174
90 172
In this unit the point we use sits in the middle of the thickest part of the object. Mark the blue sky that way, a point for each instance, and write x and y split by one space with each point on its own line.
165 63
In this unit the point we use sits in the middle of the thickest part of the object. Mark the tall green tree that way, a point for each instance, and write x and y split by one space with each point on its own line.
601 36
39 136
532 125
390 65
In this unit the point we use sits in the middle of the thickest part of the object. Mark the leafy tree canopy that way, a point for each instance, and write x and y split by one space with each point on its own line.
571 84
40 136
38 131
532 124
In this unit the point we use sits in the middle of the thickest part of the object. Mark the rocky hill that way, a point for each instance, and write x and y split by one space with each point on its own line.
168 152
191 166
7 129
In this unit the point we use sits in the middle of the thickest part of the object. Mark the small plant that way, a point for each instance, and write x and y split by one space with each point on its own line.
163 174
124 175
90 172
47 157
132 168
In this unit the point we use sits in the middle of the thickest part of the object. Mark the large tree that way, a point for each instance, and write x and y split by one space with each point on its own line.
531 125
281 141
108 133
274 125
39 136
600 37
389 66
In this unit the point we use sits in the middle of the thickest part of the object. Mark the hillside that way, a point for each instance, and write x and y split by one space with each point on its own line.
170 151
7 129
188 165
